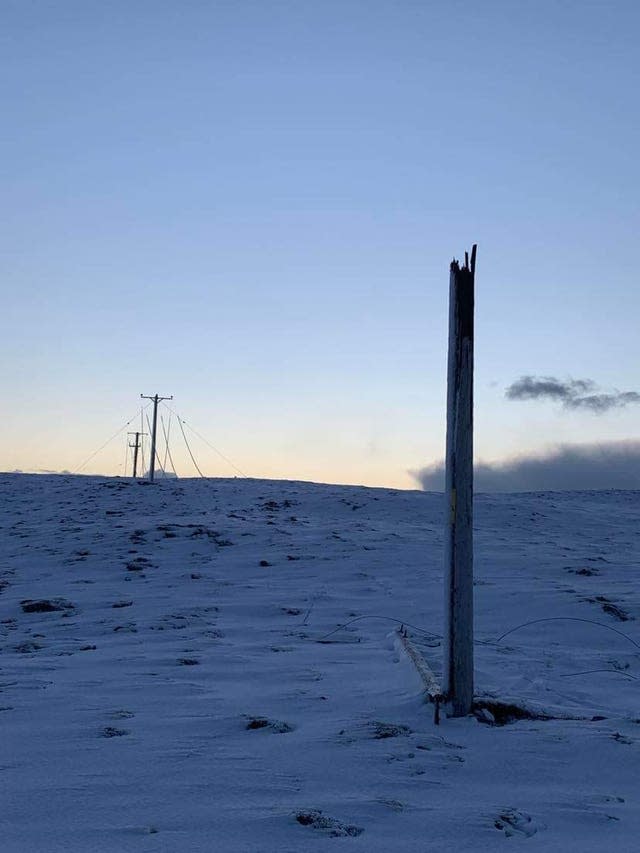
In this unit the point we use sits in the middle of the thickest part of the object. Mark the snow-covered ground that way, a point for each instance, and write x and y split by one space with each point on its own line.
177 697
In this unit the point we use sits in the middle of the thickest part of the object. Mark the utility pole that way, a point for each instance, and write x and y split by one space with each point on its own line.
136 447
152 462
458 634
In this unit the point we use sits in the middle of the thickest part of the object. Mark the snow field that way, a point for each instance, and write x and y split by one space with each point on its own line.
163 689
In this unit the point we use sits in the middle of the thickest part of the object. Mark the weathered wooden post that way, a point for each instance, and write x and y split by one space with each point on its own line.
458 634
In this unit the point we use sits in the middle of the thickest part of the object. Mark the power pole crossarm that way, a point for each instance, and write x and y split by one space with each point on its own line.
458 640
152 462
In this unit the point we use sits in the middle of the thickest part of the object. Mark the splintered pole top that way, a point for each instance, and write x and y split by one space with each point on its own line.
469 267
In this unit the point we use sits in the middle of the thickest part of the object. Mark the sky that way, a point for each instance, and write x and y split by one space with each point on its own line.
252 206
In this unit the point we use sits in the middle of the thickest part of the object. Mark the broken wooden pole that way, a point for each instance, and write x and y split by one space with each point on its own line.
429 681
458 633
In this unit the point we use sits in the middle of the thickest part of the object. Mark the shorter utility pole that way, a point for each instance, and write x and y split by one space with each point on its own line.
136 447
152 462
458 616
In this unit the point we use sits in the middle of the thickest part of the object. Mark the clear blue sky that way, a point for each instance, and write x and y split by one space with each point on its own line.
253 206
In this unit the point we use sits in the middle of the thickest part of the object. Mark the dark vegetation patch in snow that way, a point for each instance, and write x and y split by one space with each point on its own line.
495 713
386 730
584 571
139 564
194 531
274 506
277 726
328 825
46 605
612 609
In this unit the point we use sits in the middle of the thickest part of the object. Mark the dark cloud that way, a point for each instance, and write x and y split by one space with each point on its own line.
570 467
573 394
600 403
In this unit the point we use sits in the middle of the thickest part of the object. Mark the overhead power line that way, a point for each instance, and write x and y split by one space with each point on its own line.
189 449
181 421
108 441
142 432
167 451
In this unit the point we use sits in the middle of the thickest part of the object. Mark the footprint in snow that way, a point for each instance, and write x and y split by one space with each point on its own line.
394 805
121 714
375 729
436 742
516 823
112 731
620 738
128 628
28 647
